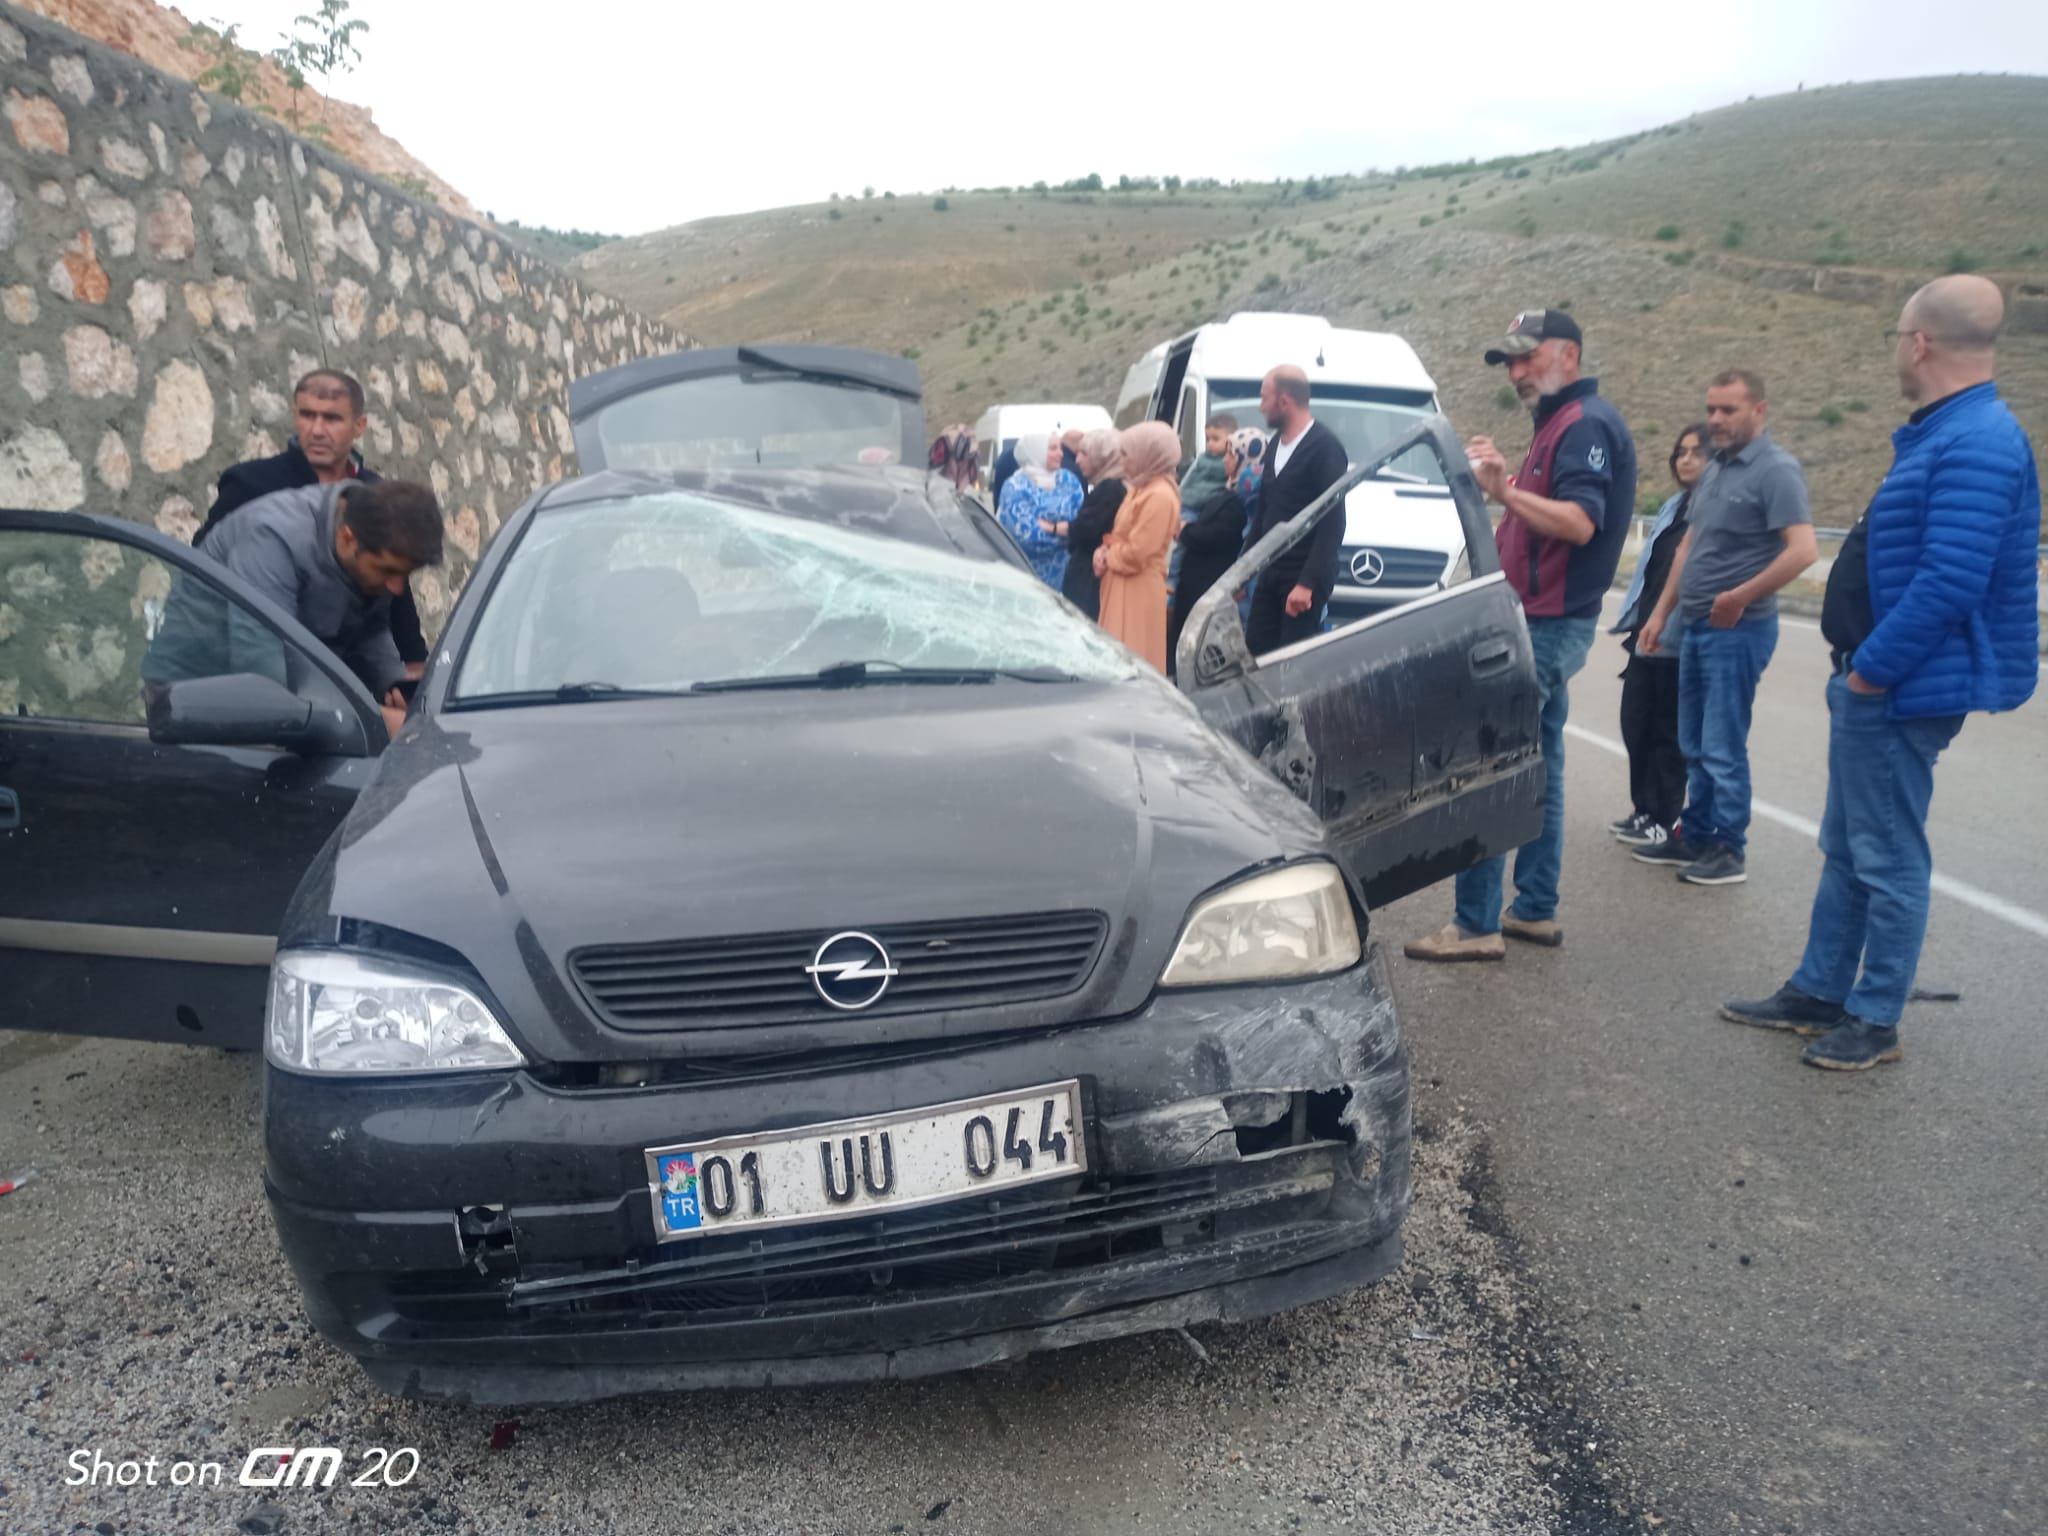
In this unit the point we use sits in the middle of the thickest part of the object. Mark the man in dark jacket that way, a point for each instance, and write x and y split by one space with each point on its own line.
1304 459
1932 611
1567 515
328 409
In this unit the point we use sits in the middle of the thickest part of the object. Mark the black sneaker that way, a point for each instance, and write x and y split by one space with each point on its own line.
1673 853
1633 822
1650 834
1854 1046
1717 865
1787 1008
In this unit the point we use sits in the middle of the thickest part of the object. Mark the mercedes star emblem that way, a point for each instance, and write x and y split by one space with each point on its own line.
1367 567
851 971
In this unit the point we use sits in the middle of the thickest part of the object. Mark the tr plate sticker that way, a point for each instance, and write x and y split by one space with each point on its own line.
679 1192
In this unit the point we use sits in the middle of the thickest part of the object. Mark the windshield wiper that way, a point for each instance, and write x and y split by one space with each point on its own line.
567 693
853 674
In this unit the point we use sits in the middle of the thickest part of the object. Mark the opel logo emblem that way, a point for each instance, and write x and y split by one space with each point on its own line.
1367 567
851 971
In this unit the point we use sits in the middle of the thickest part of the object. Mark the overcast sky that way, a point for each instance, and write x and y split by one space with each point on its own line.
630 115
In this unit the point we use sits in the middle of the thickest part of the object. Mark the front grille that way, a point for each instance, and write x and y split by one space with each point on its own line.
913 1252
760 979
1405 567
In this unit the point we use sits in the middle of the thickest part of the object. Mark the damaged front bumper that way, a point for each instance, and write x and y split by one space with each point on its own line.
491 1238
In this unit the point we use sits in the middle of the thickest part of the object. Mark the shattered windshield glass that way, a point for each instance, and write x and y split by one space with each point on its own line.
665 591
752 419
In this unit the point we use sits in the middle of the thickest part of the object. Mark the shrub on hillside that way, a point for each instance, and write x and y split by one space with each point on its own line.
1731 237
940 205
1668 232
1961 261
1525 226
1267 283
1829 416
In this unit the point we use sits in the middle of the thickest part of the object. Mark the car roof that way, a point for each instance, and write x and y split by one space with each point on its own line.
878 370
1021 420
889 500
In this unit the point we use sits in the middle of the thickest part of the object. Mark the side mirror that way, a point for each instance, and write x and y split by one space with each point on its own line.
240 709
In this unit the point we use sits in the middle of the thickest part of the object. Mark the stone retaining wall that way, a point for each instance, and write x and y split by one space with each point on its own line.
170 263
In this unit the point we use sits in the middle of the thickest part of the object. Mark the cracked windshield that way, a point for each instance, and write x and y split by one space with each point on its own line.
664 591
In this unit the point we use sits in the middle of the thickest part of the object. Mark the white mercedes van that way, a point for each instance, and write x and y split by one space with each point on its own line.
1402 537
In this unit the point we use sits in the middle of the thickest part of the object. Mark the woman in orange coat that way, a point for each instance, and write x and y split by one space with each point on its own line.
1132 558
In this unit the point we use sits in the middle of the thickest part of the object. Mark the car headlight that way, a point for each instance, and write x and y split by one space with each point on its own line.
1278 926
336 1012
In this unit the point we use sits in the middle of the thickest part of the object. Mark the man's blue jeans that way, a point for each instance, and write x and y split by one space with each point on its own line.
1560 646
1871 909
1718 671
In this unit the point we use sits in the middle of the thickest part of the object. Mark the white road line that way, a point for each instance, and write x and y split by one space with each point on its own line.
2023 918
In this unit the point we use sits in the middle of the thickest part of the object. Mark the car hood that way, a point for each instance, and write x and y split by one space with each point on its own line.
518 837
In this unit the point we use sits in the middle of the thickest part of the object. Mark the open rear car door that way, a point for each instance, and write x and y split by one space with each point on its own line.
1413 733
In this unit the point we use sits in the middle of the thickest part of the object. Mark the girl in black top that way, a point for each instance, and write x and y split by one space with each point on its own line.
1649 684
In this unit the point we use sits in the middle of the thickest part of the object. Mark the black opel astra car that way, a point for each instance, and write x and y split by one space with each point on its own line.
787 943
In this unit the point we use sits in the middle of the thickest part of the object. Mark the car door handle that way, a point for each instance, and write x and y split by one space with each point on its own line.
1491 656
10 811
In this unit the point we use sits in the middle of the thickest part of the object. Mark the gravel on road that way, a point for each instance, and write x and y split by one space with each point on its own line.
150 1314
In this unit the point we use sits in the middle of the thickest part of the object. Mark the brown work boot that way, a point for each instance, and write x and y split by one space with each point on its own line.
1546 932
1449 944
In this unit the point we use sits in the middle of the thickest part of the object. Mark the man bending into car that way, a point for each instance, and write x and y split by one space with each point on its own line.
329 410
334 557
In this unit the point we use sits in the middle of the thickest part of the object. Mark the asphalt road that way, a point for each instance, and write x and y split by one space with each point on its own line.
1800 1301
1660 1276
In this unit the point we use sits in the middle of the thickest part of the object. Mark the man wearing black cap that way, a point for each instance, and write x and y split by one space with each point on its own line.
1567 517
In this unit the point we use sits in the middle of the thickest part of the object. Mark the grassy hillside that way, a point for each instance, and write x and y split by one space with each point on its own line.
889 272
1663 244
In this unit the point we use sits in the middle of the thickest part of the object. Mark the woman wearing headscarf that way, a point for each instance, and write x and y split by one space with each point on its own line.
1132 559
1215 536
1036 499
1101 463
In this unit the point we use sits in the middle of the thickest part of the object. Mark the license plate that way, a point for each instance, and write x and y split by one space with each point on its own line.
878 1163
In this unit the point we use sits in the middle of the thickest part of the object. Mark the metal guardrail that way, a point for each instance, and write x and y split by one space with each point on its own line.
1825 535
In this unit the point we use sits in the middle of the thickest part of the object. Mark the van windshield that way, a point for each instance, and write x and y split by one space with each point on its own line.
1364 418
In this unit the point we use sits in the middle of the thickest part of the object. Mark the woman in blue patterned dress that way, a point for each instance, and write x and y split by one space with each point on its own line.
1035 500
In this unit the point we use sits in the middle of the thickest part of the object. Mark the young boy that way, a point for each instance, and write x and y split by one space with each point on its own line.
1204 480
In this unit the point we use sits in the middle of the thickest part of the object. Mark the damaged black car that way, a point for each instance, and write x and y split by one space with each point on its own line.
787 943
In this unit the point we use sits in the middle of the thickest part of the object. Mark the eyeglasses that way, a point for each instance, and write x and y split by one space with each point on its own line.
1893 334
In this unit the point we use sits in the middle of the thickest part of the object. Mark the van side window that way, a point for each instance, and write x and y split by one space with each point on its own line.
1191 426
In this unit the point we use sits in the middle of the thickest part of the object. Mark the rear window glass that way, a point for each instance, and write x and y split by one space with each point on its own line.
731 420
664 591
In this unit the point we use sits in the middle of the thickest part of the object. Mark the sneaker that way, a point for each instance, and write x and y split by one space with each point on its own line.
1854 1046
1787 1008
1451 943
1717 865
1633 822
1545 932
1650 834
1673 853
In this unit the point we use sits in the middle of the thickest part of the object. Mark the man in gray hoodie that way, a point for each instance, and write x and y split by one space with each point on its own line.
333 556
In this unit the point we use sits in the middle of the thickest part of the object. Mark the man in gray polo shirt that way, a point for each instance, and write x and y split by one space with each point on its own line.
1751 532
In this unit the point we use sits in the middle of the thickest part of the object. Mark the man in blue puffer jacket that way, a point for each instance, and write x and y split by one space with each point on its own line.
1932 611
